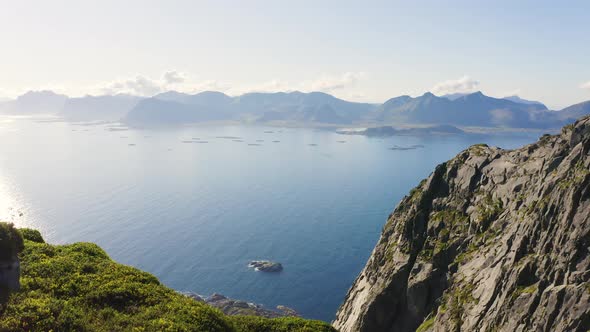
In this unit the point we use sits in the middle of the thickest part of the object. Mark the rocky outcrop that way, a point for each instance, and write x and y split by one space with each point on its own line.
237 307
492 240
266 266
11 244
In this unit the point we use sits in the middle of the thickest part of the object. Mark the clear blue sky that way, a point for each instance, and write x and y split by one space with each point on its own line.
367 51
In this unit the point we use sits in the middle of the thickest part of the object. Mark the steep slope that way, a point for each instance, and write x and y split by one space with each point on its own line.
77 287
492 240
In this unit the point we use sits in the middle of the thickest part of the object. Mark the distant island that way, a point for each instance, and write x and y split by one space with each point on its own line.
313 109
392 131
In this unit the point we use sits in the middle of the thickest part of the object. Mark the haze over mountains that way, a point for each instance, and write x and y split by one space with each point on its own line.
314 108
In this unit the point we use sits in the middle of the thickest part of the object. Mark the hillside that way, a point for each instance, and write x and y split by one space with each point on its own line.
77 287
315 107
492 240
575 111
173 108
34 102
475 109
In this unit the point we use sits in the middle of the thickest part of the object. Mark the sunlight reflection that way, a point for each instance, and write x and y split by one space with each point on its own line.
11 208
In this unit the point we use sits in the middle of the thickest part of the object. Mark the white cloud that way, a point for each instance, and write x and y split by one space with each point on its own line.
510 93
464 84
324 83
140 85
330 83
585 85
144 86
174 80
209 85
173 77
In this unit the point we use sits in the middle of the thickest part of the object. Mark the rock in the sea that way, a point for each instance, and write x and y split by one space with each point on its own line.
266 266
288 311
194 296
237 307
493 240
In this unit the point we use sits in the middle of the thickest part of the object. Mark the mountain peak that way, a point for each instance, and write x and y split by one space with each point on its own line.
476 94
517 99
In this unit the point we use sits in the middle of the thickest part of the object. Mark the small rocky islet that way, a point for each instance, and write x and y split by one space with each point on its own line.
266 266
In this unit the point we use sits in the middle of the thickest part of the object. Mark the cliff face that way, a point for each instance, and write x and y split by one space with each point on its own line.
493 240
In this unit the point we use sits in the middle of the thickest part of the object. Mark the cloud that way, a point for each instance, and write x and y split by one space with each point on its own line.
585 85
174 80
464 84
510 93
331 83
140 85
144 86
173 77
324 83
270 86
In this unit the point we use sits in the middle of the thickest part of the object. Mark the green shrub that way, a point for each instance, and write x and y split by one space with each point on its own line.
285 324
426 325
31 235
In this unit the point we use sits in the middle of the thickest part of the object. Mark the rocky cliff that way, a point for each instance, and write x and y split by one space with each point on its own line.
492 240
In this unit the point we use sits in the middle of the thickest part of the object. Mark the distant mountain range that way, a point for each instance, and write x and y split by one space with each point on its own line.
314 108
35 102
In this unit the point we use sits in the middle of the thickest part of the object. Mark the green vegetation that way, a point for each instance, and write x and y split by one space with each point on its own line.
426 325
523 290
458 298
478 149
575 177
31 235
285 324
11 241
426 254
543 140
415 194
77 287
488 210
454 220
567 128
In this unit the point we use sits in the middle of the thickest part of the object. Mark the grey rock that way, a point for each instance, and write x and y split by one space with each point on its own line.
9 278
237 307
266 266
492 240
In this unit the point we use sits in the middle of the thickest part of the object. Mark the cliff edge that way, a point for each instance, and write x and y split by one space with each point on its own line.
492 240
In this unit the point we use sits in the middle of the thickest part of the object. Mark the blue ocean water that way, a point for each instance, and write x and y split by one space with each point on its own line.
194 214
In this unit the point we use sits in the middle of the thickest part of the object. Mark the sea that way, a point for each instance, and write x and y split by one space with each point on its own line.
194 205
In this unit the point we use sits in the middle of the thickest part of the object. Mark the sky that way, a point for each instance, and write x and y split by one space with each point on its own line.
356 50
